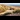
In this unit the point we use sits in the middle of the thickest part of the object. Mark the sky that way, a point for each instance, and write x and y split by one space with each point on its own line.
11 3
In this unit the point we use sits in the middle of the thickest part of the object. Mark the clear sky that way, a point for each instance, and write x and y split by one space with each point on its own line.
11 3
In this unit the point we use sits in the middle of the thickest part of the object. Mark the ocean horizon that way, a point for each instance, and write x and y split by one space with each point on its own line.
11 4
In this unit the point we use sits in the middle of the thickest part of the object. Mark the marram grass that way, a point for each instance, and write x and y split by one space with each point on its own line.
17 11
7 13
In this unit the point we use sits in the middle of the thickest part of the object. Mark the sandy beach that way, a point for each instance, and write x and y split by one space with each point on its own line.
12 13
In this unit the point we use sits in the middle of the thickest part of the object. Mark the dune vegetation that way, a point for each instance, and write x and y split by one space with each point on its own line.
17 11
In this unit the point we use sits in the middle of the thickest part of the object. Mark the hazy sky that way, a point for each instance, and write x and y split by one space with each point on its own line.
11 3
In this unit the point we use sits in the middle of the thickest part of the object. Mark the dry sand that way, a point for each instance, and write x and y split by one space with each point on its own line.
12 13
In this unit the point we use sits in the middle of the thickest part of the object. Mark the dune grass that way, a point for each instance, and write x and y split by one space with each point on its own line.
7 13
17 11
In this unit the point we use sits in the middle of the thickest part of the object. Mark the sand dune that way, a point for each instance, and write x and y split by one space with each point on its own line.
8 10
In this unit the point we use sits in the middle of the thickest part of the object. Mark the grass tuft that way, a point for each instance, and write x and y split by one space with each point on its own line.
17 11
